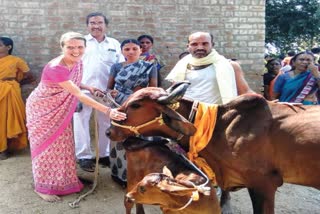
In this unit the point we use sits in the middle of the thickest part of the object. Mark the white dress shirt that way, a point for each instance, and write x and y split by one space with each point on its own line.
98 59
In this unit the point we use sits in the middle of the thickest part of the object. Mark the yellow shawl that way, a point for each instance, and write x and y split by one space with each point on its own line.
205 122
224 73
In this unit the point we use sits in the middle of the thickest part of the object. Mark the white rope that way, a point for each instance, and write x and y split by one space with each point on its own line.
76 203
187 204
202 187
199 188
107 99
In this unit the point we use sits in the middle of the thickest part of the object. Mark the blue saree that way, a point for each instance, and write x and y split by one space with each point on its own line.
296 89
131 77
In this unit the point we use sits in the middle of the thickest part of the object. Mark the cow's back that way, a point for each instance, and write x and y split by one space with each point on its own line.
295 136
255 139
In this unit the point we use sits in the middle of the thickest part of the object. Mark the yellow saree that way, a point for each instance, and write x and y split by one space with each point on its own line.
13 134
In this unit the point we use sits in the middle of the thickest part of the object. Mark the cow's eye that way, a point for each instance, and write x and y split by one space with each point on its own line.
142 189
135 105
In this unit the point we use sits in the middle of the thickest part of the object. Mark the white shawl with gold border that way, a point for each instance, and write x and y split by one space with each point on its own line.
224 73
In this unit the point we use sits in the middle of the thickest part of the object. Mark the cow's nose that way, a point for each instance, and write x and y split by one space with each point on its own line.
129 198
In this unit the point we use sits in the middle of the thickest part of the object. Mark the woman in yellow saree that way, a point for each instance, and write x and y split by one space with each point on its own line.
13 135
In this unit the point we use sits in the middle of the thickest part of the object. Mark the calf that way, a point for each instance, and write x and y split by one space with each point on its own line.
145 157
173 195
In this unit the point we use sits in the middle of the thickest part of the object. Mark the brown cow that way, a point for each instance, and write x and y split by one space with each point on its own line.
173 196
144 157
255 144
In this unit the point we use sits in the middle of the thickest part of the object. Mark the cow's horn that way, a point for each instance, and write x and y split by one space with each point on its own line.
175 85
176 92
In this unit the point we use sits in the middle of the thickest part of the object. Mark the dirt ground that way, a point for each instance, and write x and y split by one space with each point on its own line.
17 196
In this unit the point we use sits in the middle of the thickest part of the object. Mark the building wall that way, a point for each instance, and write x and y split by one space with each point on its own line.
238 27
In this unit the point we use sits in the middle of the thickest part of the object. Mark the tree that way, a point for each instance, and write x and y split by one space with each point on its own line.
293 24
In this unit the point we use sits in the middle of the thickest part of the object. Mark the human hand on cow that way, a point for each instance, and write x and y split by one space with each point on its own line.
114 114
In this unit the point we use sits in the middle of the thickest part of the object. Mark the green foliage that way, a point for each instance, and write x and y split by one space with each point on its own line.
293 24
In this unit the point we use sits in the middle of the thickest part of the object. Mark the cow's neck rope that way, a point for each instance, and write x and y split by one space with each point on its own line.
159 119
198 188
135 129
186 205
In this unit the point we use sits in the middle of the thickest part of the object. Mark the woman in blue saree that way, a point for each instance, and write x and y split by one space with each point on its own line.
301 83
126 78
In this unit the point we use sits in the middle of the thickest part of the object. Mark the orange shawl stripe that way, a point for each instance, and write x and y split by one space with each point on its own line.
205 122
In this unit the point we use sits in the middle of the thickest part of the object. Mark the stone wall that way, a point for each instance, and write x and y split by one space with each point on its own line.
237 25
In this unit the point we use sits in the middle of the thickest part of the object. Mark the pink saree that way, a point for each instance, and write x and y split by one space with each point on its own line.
49 111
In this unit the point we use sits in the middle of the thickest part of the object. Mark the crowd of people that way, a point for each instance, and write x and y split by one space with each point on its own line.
294 79
56 118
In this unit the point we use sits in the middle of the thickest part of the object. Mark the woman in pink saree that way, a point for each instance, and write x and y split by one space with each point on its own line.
49 111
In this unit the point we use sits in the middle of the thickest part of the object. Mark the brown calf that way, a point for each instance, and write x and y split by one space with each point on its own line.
145 157
173 196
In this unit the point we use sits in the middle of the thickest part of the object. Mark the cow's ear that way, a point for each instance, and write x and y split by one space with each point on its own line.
167 172
176 121
174 188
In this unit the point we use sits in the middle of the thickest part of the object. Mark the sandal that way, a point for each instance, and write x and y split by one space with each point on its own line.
87 165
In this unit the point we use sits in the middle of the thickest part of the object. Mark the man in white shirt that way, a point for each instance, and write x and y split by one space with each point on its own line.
213 78
101 53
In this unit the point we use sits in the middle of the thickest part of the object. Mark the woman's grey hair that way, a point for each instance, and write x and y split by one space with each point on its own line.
71 35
